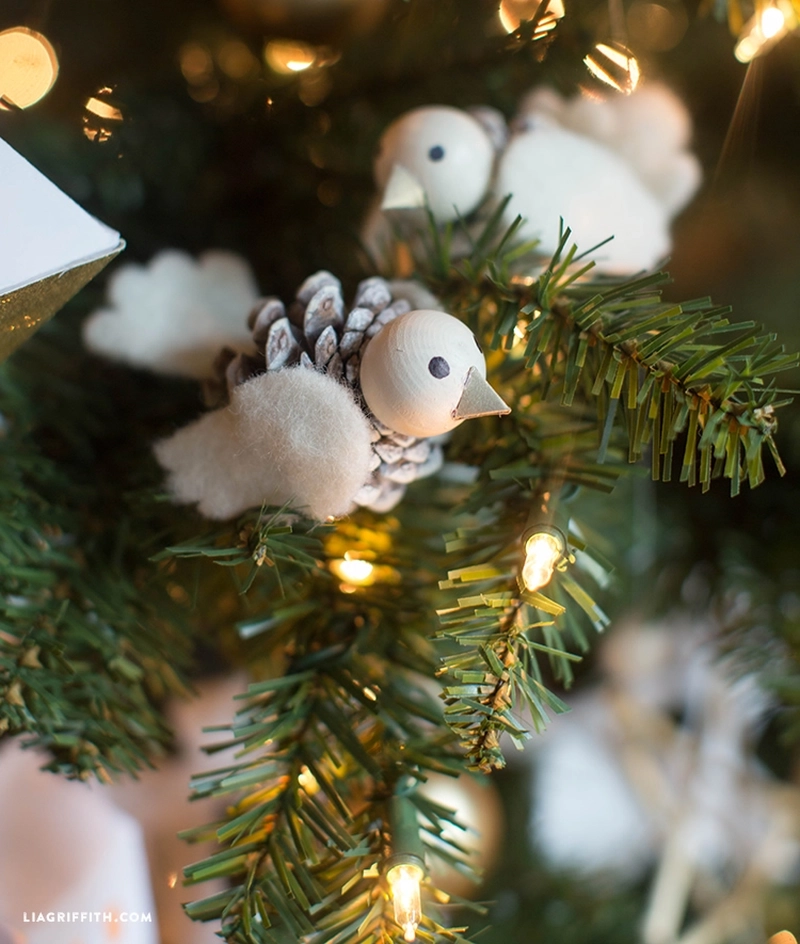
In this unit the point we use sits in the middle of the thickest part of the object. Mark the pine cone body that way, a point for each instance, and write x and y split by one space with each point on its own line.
316 334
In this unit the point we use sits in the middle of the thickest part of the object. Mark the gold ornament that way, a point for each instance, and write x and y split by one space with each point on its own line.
23 311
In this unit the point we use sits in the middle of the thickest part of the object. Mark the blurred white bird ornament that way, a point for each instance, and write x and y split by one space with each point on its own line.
617 167
620 785
337 410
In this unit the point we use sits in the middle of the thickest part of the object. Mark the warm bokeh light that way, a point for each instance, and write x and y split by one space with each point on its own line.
237 61
286 56
103 109
614 66
543 551
404 882
513 13
101 116
28 67
354 570
657 25
762 32
196 63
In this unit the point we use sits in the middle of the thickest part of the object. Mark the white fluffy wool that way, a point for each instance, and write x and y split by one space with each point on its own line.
174 314
555 174
650 129
291 435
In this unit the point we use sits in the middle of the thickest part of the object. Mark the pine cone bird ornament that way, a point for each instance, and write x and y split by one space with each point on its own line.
619 167
337 409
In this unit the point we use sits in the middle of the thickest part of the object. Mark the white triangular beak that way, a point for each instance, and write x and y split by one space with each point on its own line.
479 399
403 191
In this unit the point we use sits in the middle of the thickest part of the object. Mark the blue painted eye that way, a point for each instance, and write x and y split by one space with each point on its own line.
436 153
438 367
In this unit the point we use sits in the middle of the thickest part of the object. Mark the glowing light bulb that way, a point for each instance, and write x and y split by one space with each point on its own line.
614 65
761 33
28 67
354 571
513 13
543 551
286 56
404 882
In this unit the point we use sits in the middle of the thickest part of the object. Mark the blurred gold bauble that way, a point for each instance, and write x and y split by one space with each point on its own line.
316 19
477 803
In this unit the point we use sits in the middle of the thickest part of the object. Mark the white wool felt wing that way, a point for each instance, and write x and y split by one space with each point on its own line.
293 435
650 129
174 315
556 174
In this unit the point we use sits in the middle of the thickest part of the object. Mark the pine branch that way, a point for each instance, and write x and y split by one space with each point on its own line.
502 630
320 750
678 370
85 656
563 336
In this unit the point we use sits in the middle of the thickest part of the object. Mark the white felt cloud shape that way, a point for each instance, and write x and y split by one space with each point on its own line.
553 174
173 315
293 435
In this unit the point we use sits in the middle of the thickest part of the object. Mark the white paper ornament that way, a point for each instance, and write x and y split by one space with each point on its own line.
66 850
424 374
620 784
439 154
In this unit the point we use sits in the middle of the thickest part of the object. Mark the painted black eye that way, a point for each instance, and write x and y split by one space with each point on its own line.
438 367
436 153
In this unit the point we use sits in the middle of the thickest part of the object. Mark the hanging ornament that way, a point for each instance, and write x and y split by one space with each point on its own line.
310 414
65 847
28 67
49 249
660 758
618 167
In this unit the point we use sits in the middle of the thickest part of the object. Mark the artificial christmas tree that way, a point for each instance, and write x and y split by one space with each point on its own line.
436 623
